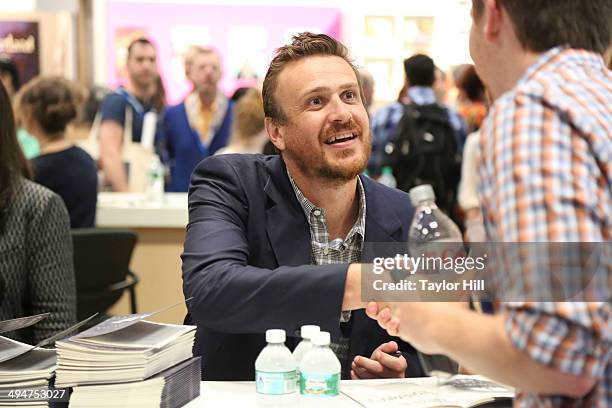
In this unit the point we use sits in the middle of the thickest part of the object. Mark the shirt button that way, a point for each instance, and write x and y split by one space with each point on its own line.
317 212
325 251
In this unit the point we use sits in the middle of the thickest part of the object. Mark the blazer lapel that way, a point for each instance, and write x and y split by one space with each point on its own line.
382 225
286 223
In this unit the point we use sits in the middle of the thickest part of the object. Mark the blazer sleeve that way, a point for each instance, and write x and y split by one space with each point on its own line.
231 296
51 280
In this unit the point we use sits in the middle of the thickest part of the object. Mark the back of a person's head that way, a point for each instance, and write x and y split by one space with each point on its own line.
92 104
249 115
541 25
420 70
52 102
471 86
239 93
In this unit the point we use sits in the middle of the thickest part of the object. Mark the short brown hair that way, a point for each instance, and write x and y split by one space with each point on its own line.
141 41
544 24
303 45
53 102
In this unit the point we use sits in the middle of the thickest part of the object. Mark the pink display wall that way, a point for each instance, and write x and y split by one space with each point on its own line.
246 37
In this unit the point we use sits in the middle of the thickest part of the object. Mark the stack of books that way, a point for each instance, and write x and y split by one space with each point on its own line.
25 370
126 361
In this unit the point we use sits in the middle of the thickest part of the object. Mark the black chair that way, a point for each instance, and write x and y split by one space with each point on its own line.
101 265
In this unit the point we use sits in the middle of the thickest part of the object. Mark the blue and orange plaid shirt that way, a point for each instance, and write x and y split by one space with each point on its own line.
546 176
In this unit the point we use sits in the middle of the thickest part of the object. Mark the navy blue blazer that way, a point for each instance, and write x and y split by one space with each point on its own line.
247 264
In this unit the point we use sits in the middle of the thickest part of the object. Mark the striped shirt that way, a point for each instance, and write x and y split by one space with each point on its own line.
546 176
325 252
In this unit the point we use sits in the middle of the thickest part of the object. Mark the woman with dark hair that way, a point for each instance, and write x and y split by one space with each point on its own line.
46 106
35 246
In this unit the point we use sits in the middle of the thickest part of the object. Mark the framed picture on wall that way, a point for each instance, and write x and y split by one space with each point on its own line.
379 32
418 34
382 71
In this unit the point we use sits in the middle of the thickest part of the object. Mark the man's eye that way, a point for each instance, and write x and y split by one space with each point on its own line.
349 95
315 101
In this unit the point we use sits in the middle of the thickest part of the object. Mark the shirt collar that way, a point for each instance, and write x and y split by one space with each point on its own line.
421 95
542 61
556 55
308 207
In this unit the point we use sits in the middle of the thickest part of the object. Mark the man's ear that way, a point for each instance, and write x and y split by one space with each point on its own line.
275 133
493 20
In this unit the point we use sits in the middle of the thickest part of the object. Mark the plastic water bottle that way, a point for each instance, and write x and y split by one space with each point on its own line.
307 332
430 226
387 178
320 369
155 187
433 234
275 367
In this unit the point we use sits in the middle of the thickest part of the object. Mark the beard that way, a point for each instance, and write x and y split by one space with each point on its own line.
335 169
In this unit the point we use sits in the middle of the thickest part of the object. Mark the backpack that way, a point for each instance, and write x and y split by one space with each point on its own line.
423 150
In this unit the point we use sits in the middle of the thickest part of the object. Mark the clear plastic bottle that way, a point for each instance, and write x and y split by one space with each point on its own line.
320 369
432 233
307 332
387 177
275 367
155 187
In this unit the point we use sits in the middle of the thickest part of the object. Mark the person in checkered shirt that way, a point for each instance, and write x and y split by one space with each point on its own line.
546 176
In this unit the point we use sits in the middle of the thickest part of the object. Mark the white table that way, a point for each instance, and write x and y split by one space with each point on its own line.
239 394
405 392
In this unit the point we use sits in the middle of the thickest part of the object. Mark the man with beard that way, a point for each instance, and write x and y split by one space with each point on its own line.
135 98
200 125
276 241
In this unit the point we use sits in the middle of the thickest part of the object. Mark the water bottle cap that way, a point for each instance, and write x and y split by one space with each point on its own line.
420 193
275 336
308 331
322 338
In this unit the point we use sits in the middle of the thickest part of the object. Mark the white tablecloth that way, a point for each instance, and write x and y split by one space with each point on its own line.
407 392
239 394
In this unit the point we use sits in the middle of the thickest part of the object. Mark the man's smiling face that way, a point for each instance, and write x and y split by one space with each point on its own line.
326 133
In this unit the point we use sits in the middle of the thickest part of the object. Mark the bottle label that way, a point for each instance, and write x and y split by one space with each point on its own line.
324 385
275 383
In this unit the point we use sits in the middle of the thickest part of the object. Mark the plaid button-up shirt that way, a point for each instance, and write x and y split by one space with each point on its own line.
546 176
325 252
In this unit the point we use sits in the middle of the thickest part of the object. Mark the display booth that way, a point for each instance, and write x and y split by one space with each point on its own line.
40 43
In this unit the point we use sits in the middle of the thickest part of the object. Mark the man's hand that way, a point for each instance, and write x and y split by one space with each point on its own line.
380 365
416 322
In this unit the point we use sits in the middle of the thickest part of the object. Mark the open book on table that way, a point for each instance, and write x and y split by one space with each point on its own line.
460 391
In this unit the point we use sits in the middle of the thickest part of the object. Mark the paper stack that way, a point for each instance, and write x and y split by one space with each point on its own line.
126 361
173 387
25 371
